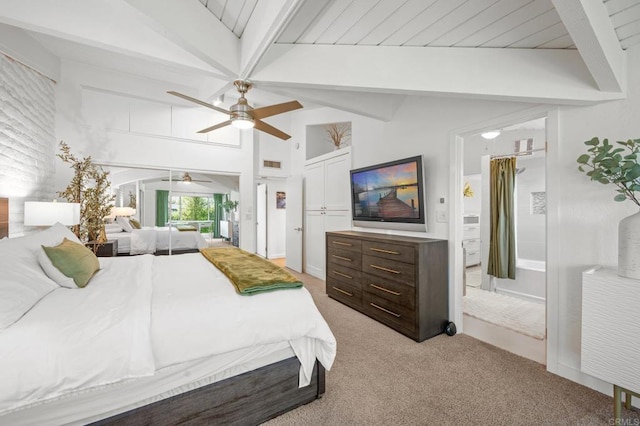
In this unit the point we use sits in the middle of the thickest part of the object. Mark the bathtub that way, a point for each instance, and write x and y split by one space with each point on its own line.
530 282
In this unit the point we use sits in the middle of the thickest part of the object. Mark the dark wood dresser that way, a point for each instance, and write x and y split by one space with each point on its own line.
400 281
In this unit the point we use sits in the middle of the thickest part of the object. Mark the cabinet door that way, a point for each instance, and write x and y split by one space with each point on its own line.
314 243
314 186
337 221
337 187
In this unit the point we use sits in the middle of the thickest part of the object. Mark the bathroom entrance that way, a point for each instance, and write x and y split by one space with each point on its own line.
506 312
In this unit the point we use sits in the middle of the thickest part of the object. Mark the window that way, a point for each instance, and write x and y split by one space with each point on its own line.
193 207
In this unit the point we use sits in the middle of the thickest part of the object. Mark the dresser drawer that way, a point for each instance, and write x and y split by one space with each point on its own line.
345 293
389 251
389 269
345 275
391 314
348 258
344 243
400 294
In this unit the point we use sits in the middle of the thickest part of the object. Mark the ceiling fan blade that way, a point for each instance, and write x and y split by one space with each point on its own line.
199 102
267 128
217 126
268 111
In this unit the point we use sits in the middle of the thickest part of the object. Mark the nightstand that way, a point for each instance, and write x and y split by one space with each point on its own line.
107 249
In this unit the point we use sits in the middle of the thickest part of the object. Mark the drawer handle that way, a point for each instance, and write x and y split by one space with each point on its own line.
342 258
395 293
342 275
340 243
342 291
393 271
385 310
384 251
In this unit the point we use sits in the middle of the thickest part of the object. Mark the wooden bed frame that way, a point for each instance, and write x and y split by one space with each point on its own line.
248 399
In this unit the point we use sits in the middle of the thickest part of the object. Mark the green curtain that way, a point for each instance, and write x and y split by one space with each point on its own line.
502 241
217 201
162 207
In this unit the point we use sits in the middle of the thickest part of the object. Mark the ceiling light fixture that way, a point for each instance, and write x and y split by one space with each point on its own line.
242 122
491 134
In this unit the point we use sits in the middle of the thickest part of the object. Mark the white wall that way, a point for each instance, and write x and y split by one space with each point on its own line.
473 205
27 140
530 231
120 147
588 217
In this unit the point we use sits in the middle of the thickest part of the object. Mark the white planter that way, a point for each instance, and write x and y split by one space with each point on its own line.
629 247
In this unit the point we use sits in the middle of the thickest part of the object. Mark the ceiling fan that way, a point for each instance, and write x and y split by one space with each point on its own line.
242 115
186 178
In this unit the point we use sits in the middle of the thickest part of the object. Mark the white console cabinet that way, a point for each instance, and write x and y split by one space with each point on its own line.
611 331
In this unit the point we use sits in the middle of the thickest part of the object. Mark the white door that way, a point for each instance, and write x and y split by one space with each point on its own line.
261 220
314 186
336 183
294 223
314 243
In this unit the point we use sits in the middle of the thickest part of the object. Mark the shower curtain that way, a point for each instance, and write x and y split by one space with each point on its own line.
502 242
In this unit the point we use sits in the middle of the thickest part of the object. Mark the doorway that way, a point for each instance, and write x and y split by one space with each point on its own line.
507 313
261 220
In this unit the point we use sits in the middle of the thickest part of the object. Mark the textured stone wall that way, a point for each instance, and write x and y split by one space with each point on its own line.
27 138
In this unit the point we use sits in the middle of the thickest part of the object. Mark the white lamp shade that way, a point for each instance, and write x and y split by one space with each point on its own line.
122 211
42 213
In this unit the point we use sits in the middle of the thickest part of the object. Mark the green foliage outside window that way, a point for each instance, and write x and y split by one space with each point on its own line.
184 208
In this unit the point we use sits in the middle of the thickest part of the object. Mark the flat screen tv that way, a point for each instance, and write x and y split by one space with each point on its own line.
389 195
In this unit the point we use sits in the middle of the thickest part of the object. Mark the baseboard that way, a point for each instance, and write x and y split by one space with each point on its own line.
520 295
276 256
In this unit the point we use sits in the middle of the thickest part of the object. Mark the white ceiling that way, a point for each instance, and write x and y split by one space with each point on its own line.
321 51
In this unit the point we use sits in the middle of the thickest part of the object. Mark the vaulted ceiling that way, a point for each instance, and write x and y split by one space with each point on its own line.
322 51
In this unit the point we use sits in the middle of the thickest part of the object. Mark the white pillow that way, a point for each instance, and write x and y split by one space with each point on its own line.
54 273
112 228
124 222
23 282
22 285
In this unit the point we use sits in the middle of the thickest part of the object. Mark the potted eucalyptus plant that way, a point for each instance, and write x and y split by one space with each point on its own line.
89 187
618 165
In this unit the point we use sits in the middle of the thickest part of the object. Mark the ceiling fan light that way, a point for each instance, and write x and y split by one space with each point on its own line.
242 123
491 134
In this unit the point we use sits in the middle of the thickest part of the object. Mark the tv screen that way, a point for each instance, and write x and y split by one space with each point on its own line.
389 195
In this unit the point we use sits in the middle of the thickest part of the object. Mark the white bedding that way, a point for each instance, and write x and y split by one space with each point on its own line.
148 240
143 314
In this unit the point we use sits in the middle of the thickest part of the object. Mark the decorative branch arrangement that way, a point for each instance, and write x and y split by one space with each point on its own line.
338 133
618 166
89 187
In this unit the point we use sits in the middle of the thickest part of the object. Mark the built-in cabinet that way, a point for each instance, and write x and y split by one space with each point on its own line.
327 205
471 239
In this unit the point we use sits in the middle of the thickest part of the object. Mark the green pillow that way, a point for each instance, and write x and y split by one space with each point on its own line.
135 224
74 261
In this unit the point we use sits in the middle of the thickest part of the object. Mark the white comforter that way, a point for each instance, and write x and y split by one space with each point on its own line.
143 313
77 338
149 240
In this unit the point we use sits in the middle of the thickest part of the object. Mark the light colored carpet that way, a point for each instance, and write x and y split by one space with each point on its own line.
510 312
381 377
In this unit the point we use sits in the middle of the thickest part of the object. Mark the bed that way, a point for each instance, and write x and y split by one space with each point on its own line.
154 240
181 344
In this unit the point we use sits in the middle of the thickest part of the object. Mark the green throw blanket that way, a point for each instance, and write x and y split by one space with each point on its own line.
250 274
186 228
